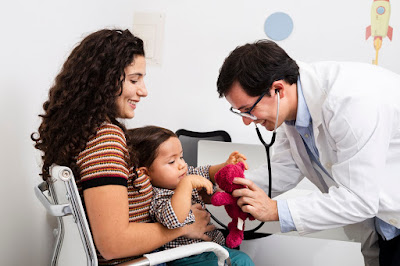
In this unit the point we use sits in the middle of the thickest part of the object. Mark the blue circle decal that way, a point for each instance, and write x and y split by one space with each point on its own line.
278 26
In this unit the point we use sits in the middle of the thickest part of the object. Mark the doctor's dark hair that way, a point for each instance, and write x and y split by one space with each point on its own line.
256 66
145 141
84 95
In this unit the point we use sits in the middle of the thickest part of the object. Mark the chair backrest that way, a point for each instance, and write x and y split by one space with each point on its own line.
189 140
60 197
211 152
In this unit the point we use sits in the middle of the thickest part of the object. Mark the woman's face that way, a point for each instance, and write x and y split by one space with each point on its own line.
133 88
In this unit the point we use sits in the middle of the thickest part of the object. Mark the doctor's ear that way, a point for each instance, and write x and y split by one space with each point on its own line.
278 86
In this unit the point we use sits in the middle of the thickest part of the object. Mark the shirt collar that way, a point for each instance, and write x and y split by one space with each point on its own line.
303 117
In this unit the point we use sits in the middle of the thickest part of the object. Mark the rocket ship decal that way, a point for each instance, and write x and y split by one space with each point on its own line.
379 28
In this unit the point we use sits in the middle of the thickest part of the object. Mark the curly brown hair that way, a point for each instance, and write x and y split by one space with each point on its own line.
84 96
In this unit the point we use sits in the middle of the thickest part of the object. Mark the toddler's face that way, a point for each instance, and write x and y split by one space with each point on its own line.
169 167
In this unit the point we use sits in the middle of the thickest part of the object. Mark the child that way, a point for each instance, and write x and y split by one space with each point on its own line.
175 186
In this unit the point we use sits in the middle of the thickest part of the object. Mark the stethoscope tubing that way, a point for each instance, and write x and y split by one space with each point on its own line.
267 149
269 145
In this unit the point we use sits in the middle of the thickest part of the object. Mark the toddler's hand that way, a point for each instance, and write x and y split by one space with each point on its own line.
199 182
236 157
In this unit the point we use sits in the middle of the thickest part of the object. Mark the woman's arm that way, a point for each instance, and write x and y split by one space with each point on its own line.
108 215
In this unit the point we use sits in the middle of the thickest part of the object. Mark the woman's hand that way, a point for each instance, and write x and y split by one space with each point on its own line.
236 157
201 225
253 200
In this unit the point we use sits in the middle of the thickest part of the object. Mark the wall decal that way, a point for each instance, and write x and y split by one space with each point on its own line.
379 28
278 26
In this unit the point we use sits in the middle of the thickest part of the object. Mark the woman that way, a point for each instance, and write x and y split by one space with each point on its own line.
102 81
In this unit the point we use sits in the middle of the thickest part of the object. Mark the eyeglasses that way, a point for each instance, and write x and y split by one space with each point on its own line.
248 113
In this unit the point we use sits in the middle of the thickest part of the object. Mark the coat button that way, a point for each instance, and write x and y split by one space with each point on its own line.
393 222
328 165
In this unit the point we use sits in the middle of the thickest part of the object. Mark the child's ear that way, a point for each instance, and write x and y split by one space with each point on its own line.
143 170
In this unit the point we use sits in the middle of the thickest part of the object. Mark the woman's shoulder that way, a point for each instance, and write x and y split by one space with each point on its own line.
108 137
110 129
105 152
108 132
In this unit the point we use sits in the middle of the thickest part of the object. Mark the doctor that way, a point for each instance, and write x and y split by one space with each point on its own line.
338 125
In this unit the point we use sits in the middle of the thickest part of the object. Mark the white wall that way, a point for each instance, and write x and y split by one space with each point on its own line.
36 37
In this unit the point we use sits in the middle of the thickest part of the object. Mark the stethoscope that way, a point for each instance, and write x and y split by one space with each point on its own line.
267 149
269 145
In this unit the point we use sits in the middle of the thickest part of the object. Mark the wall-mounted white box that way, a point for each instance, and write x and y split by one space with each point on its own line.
150 28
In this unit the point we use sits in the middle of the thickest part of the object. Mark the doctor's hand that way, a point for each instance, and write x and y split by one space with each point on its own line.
253 200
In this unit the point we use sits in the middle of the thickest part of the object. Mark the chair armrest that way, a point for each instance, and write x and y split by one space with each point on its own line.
181 252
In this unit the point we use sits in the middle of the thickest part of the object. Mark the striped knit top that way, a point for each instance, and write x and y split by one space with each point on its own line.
105 161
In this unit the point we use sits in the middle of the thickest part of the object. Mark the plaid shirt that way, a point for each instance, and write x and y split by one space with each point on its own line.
161 211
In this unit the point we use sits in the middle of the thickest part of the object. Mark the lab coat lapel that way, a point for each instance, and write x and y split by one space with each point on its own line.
301 157
315 95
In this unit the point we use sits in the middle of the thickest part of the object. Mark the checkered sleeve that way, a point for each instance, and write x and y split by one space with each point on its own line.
161 209
200 170
203 171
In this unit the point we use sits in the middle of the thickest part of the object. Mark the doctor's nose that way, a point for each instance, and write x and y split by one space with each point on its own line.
247 121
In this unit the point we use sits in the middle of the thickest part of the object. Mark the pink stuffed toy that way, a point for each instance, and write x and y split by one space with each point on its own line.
224 178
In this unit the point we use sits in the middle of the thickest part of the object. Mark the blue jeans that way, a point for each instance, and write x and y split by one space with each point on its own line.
238 258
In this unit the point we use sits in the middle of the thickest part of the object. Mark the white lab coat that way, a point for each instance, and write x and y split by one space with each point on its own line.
355 110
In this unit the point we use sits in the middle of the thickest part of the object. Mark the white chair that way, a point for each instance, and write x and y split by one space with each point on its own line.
74 243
